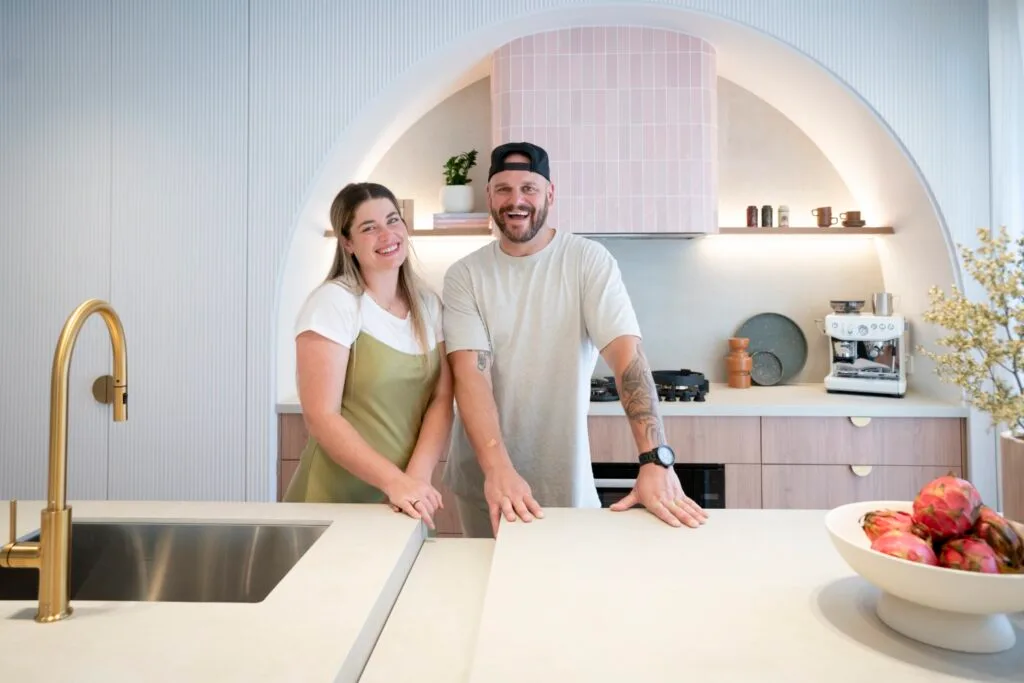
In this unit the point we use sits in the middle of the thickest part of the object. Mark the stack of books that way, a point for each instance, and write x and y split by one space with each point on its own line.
465 223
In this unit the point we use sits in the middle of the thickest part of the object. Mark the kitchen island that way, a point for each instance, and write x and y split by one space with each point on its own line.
581 595
753 596
320 622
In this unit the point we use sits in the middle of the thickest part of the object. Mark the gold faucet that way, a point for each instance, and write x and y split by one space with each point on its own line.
51 555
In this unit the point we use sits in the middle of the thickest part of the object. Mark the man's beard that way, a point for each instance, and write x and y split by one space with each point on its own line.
535 221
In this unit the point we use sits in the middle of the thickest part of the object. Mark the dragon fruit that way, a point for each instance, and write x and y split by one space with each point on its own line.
877 522
905 545
1003 538
947 506
969 554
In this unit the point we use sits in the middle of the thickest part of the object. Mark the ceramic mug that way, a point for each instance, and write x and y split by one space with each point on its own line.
824 214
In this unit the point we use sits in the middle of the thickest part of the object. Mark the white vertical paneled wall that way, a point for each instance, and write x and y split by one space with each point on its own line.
160 153
54 233
1006 83
179 247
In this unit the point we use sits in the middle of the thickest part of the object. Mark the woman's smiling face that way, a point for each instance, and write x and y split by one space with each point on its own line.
378 237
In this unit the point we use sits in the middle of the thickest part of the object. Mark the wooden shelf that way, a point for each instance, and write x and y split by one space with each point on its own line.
807 231
484 231
439 232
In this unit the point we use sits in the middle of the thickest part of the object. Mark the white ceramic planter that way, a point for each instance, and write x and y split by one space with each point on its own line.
457 198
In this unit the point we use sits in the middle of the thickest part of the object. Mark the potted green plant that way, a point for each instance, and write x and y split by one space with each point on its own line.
986 342
457 193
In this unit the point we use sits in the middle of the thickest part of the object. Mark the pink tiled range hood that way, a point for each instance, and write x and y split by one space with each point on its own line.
629 118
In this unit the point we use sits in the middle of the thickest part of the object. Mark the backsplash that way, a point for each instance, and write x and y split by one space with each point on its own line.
763 158
690 296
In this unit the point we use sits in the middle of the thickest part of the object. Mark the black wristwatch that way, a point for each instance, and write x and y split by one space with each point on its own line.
661 455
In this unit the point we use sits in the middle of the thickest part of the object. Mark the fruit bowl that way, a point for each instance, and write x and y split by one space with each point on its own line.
964 611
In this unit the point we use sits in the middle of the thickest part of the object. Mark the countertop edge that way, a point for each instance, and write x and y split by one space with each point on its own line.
797 400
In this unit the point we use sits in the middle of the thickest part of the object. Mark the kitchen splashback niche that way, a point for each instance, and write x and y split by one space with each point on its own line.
629 118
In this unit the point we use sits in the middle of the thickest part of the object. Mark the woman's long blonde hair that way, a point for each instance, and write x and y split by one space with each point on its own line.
346 270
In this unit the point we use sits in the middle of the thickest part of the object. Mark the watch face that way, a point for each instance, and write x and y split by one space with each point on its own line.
666 456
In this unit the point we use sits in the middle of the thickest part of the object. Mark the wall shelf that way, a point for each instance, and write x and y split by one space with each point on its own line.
486 232
439 232
807 231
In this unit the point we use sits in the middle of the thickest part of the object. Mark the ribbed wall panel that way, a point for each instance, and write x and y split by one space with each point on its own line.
211 261
179 247
54 234
1006 38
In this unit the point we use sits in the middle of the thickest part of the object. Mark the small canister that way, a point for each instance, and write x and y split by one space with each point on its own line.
766 216
783 216
751 216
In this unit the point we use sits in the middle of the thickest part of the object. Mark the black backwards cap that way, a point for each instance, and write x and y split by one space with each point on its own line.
538 159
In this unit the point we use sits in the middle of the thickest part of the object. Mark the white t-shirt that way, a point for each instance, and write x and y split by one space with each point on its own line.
336 313
544 317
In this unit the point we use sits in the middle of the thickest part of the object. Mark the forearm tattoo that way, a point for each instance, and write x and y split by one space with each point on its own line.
483 360
640 398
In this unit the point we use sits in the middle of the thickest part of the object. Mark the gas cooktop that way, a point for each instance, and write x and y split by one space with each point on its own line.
672 385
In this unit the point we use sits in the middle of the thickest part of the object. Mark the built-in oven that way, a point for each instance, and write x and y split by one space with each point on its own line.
703 483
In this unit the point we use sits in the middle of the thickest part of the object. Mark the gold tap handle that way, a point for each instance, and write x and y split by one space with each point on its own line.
14 520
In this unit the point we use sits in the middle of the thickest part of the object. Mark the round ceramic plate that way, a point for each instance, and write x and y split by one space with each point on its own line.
766 368
781 336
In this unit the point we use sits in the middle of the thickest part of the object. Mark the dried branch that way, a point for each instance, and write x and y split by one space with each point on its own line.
986 338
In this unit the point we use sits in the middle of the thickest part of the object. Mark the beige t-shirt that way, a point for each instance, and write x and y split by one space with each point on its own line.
544 317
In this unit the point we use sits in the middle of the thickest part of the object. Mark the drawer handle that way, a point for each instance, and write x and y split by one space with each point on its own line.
860 421
861 470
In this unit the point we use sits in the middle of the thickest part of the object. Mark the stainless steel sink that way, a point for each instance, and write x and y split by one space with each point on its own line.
173 562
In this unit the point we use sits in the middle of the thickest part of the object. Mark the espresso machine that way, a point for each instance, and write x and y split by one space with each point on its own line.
868 353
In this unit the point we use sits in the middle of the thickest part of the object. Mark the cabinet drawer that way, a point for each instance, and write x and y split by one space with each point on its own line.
694 439
822 487
882 441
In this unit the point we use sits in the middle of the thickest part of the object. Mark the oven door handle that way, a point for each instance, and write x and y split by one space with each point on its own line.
615 483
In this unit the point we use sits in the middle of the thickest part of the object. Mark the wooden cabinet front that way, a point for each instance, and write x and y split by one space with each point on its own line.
937 442
698 439
822 487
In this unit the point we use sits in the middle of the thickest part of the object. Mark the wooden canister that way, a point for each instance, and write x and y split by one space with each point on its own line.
738 363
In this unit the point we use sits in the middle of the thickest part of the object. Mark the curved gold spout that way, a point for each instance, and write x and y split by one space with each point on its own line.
57 478
51 555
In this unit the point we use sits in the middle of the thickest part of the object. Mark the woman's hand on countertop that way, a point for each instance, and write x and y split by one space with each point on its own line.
414 496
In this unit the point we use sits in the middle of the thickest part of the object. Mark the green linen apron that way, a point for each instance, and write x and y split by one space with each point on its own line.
386 394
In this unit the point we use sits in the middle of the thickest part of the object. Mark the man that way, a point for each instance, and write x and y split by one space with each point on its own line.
524 318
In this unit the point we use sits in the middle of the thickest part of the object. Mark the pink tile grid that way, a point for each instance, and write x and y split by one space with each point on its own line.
629 118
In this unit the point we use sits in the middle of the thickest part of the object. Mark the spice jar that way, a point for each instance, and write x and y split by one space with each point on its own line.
766 216
751 216
783 216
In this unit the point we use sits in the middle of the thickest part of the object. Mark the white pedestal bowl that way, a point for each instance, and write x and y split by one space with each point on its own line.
948 608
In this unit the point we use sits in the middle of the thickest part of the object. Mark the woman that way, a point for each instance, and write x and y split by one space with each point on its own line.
373 379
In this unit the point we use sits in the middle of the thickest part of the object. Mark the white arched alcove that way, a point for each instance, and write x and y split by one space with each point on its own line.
881 175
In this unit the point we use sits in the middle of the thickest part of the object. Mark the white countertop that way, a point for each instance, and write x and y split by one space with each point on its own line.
323 617
754 595
791 400
432 629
